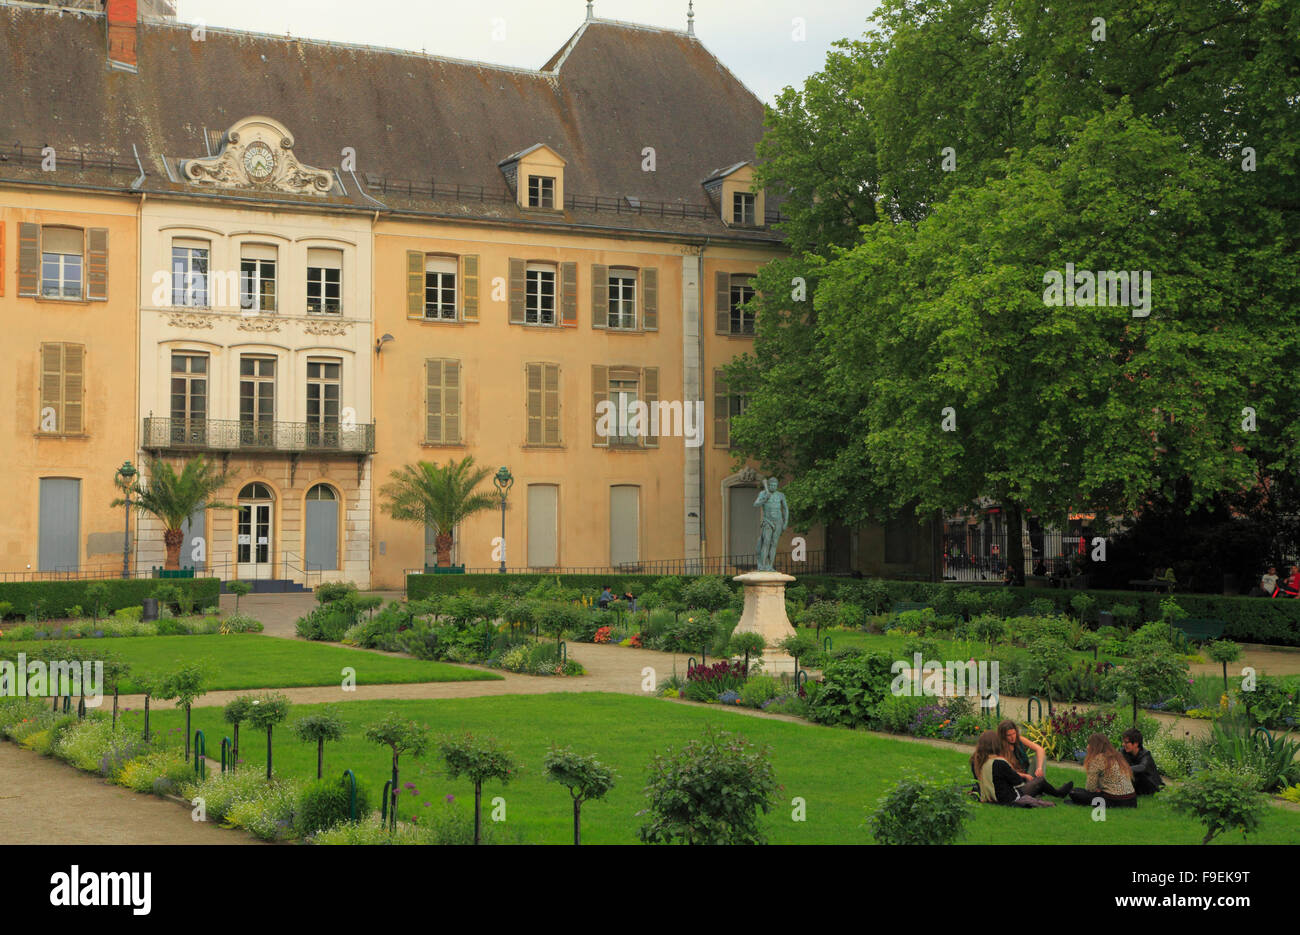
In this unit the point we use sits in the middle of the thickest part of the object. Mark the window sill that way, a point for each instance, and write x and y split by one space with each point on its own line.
60 434
527 446
52 300
442 321
429 444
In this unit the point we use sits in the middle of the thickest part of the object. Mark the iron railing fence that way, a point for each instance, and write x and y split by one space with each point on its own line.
978 554
815 564
235 435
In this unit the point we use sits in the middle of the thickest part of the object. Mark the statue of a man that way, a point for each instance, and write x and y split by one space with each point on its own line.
775 517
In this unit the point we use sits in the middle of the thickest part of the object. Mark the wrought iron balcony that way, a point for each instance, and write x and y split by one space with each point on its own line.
228 435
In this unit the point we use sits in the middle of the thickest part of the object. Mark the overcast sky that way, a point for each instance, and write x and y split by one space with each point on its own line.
754 38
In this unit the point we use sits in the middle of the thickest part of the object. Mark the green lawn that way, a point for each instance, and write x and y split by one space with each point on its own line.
892 644
249 660
837 772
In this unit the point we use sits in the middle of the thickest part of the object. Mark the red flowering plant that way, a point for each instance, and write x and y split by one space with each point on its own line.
602 635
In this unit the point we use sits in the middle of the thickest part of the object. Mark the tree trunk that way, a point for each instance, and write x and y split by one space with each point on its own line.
577 821
172 538
392 796
1135 710
320 758
1015 542
268 752
443 544
146 718
187 734
478 810
1225 677
234 747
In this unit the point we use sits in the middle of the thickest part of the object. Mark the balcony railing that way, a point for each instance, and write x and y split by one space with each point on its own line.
231 435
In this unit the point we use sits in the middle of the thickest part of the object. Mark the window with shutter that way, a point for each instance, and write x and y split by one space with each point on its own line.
440 288
622 299
599 394
650 299
442 402
721 411
433 401
650 392
517 287
2 258
63 252
469 287
551 404
722 302
63 380
533 391
29 259
569 294
414 284
97 264
599 295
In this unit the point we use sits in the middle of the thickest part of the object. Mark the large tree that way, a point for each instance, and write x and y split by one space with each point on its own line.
1121 151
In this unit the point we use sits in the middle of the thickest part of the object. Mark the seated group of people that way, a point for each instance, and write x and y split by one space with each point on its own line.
1001 767
1271 586
607 596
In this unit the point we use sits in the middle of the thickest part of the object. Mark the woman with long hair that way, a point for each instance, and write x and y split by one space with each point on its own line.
999 783
1016 750
1110 778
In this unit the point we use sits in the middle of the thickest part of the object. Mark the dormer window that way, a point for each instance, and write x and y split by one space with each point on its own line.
541 192
743 209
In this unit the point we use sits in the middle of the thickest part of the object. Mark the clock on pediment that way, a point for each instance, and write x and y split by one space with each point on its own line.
257 153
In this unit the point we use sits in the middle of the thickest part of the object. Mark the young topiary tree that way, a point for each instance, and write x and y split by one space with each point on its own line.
236 712
239 589
820 614
746 644
584 776
479 761
1048 657
683 792
708 592
800 646
400 735
1224 651
920 811
97 599
1222 800
1152 675
318 728
116 670
184 685
266 712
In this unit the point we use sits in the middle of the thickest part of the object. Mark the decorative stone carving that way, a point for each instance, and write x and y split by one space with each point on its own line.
257 153
326 327
259 323
189 320
748 476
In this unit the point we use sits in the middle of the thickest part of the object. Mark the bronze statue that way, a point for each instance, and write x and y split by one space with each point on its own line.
775 517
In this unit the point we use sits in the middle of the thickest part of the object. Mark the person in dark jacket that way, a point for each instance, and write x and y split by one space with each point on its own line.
1146 775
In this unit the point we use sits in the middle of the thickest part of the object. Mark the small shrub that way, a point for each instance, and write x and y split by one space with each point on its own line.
1221 800
920 811
325 803
268 816
758 690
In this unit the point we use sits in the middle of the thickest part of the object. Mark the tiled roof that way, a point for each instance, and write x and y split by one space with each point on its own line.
612 91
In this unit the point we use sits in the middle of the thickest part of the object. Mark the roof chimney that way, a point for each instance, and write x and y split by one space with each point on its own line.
591 14
122 34
690 18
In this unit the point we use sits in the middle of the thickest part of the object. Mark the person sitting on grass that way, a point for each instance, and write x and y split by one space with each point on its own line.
1110 778
998 782
1015 750
606 595
1146 775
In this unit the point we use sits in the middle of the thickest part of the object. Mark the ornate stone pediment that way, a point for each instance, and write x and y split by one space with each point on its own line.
257 153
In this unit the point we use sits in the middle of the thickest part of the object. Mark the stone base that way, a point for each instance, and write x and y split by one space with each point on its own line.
765 615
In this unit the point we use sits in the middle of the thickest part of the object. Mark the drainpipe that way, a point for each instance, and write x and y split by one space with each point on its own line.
699 356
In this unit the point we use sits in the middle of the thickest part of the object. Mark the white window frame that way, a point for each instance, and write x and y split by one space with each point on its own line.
534 312
438 270
190 287
624 295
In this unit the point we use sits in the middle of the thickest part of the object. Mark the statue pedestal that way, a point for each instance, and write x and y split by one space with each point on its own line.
765 615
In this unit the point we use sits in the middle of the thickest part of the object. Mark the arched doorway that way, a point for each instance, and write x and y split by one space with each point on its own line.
321 532
253 532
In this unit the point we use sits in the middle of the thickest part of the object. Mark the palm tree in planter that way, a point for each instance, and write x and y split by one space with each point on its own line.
442 496
318 728
173 498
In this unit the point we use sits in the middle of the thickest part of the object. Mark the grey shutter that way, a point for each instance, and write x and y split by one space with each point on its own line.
469 287
569 295
722 302
321 535
517 268
599 394
650 299
650 396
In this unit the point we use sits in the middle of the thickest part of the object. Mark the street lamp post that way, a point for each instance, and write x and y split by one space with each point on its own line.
503 482
125 475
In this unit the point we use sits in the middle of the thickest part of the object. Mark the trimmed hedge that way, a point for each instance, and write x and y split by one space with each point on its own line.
1248 619
59 596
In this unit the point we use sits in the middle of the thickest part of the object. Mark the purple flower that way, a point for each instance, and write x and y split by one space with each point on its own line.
450 797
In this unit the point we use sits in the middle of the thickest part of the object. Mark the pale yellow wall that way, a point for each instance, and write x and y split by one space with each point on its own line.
742 180
108 332
541 161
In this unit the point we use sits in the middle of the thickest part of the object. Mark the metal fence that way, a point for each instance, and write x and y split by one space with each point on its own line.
978 554
815 564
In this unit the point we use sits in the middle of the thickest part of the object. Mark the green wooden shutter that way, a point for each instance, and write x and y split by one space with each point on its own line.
551 404
599 295
650 299
2 258
29 259
469 287
599 394
414 284
569 295
721 411
517 268
722 302
535 410
433 409
650 395
97 264
451 402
